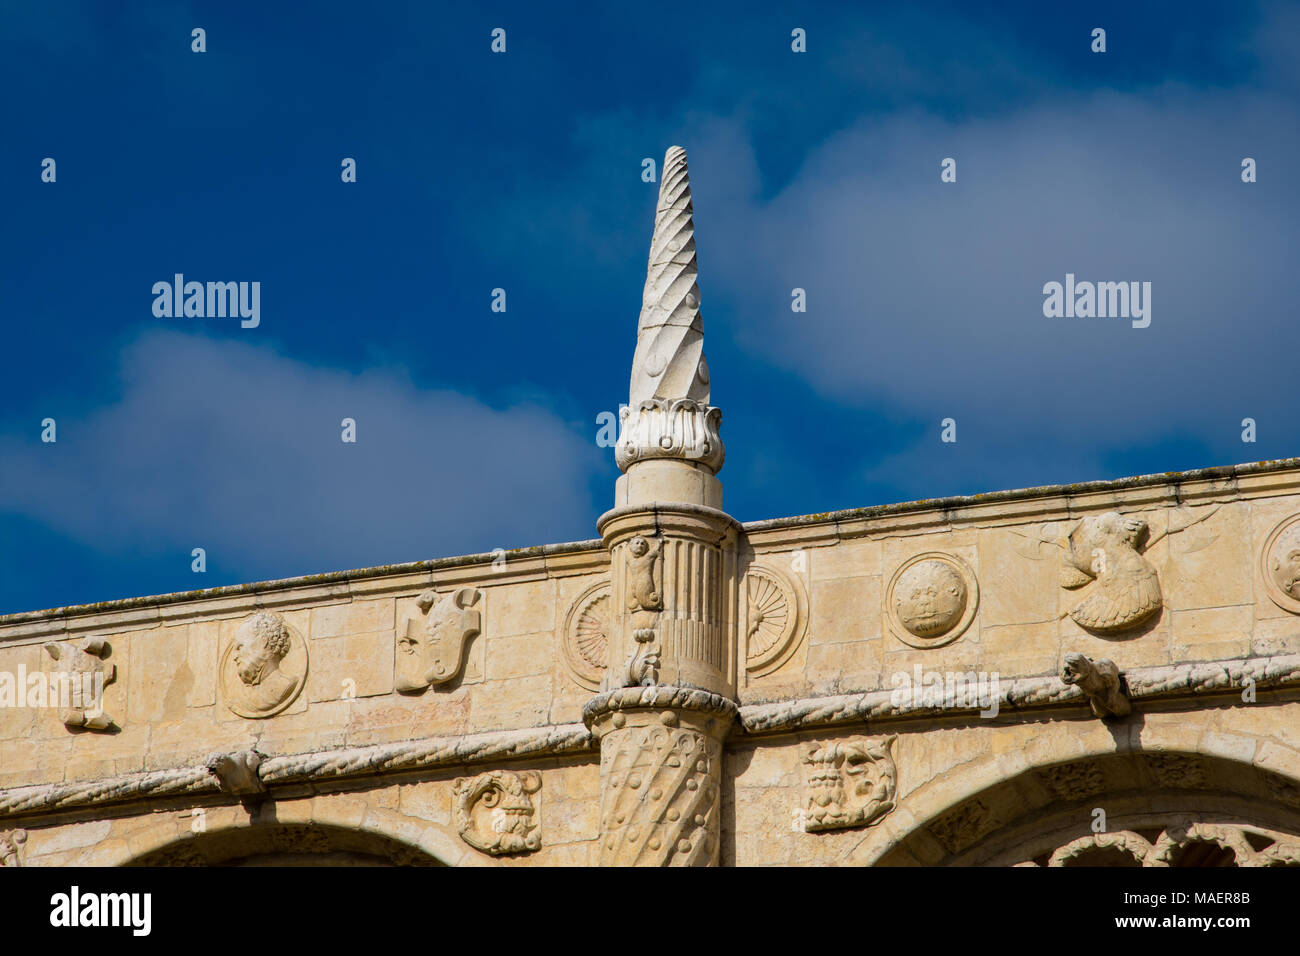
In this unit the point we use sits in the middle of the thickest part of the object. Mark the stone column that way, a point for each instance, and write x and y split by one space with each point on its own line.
668 700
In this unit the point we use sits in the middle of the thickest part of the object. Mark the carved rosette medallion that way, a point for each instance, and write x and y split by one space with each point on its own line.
1104 554
660 773
1280 565
432 650
494 811
775 618
931 599
264 668
586 636
848 783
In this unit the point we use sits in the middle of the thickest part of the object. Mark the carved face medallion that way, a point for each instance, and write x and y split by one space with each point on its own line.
264 667
1280 565
931 599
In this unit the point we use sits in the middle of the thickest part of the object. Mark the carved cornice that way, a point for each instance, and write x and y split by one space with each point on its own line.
1152 683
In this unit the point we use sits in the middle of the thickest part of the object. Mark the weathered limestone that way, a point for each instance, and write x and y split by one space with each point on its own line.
910 684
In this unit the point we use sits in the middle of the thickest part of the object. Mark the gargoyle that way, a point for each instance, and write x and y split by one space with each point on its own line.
1101 681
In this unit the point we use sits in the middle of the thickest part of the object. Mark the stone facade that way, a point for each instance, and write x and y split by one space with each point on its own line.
966 681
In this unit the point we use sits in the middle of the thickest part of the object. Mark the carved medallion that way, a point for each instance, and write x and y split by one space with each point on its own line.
432 650
494 811
1280 565
931 599
264 667
586 637
774 616
848 783
1105 551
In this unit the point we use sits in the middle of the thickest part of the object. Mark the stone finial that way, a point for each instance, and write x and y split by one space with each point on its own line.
669 415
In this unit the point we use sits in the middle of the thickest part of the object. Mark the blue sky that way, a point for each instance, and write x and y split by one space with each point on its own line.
476 430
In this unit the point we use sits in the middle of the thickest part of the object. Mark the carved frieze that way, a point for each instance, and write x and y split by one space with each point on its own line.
848 783
774 617
1104 552
264 668
431 650
80 680
931 599
1100 681
494 811
586 636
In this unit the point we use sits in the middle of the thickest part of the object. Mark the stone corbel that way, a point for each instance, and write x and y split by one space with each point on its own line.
1101 681
237 773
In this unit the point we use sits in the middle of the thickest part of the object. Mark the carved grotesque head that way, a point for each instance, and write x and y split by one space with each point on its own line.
638 546
260 644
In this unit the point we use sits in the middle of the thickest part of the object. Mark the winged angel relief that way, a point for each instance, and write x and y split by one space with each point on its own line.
1105 554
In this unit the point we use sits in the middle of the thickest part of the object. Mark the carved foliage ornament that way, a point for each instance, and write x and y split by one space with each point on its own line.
81 678
432 651
264 668
848 783
931 599
11 844
775 618
1105 550
494 811
586 636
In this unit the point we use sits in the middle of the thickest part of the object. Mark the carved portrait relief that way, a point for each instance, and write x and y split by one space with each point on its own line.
1280 565
264 668
931 599
432 650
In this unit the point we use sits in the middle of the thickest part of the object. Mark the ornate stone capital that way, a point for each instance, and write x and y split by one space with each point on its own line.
679 428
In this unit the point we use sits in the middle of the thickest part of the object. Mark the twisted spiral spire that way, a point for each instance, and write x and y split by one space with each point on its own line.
669 361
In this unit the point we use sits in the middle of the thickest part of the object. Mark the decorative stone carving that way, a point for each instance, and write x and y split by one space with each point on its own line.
1131 849
1106 549
1221 841
494 811
1100 680
660 773
775 618
11 845
645 599
931 599
1280 565
1073 781
586 636
962 826
848 783
264 668
81 680
432 651
236 773
1176 770
668 413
